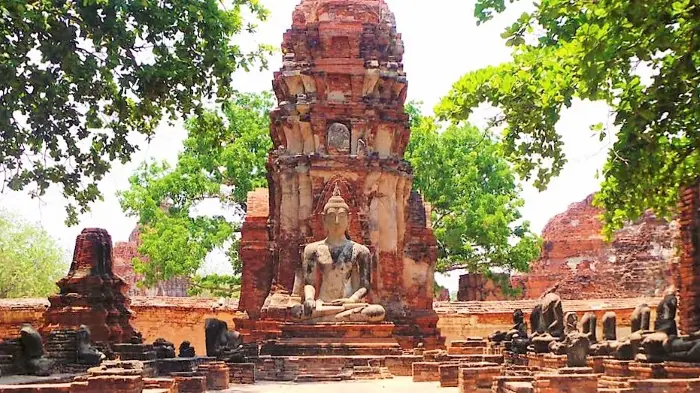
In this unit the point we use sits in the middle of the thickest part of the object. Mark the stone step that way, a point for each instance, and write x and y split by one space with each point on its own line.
321 377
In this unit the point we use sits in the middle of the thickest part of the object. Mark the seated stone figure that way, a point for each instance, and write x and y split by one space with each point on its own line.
87 354
186 350
340 269
551 323
220 341
628 348
31 358
519 329
575 345
609 343
665 344
164 349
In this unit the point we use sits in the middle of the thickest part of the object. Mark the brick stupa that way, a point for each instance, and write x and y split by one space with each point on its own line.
91 294
340 123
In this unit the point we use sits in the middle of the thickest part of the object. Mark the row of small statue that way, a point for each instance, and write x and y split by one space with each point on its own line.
221 344
558 333
31 358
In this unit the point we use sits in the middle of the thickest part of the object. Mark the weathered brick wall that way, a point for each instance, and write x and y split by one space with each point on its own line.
689 282
123 254
477 287
175 319
638 262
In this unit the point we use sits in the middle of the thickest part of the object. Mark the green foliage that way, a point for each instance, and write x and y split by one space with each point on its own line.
462 172
30 260
223 159
598 50
215 285
78 76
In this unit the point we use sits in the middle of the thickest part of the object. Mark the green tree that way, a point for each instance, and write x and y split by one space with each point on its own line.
599 50
223 159
78 76
473 192
30 259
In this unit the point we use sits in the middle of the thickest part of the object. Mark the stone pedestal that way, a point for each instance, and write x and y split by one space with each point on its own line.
473 346
477 379
328 339
241 373
641 370
91 294
596 363
402 366
682 370
553 362
449 375
142 352
190 383
565 383
426 372
665 386
617 374
217 374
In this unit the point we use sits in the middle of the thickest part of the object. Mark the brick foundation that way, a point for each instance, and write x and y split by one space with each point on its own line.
477 379
241 373
426 372
401 366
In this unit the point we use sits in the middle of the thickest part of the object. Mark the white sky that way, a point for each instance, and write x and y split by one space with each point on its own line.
442 43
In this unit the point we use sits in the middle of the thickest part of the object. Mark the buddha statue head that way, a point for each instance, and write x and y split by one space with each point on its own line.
336 216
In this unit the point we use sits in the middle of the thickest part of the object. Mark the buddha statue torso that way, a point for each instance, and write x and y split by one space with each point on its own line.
340 270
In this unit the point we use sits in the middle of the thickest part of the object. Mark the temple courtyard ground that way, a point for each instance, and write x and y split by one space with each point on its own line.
397 384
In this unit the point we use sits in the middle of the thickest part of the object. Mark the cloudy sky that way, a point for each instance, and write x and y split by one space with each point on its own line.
442 43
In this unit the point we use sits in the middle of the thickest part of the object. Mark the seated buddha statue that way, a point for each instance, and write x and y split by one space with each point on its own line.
340 269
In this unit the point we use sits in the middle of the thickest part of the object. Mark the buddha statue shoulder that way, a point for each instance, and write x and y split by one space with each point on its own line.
336 273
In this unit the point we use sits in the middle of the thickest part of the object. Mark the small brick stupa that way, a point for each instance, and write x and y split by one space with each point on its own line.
91 294
340 123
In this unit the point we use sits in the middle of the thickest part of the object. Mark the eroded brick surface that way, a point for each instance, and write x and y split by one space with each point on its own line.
638 262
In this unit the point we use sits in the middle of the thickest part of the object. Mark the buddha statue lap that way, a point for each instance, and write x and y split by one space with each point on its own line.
336 274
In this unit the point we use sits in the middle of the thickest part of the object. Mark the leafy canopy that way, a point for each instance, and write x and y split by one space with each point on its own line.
30 259
472 189
223 159
78 76
598 50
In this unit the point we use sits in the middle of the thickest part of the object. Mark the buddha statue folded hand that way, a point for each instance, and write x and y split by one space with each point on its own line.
340 269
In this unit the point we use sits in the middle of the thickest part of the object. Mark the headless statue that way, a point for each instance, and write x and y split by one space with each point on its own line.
609 343
551 323
589 326
665 344
86 353
519 329
340 270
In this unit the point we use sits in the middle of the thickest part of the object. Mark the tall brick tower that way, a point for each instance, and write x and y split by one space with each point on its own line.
341 123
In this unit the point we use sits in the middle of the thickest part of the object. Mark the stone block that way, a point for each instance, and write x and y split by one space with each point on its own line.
191 384
401 366
665 386
477 379
565 383
37 388
680 370
426 372
449 375
642 370
242 373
